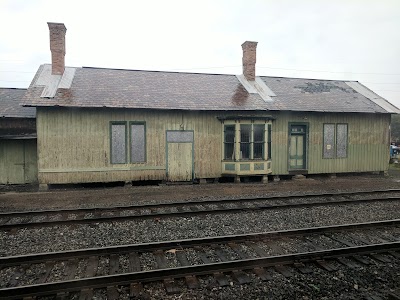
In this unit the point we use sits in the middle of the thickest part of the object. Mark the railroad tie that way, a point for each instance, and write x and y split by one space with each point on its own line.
240 276
86 294
17 275
326 265
191 280
135 290
394 254
264 275
62 296
285 271
92 265
112 293
114 264
134 262
347 262
381 258
71 268
48 267
169 283
171 286
302 268
221 278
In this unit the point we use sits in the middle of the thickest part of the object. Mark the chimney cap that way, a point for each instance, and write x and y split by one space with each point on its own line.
54 25
249 44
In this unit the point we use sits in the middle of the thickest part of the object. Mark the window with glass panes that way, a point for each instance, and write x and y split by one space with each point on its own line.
229 142
251 141
121 140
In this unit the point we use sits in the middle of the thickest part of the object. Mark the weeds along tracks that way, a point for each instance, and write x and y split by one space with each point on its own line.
25 219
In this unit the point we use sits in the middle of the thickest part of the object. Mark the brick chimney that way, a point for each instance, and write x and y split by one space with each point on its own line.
57 47
249 60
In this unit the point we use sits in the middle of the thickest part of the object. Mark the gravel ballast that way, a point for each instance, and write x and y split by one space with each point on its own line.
61 238
375 279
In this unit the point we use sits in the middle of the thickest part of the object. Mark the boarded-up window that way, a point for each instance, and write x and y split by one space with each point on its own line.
229 142
118 143
138 143
179 136
335 141
329 141
341 140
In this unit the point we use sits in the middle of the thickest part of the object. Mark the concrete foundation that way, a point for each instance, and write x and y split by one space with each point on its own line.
202 180
43 187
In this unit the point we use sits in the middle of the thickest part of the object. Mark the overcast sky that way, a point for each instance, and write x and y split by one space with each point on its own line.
347 40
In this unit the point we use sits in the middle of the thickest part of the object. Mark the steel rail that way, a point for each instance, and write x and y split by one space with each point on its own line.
186 243
184 203
179 272
120 218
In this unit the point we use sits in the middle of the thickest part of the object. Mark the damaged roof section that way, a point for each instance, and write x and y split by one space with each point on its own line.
116 88
10 99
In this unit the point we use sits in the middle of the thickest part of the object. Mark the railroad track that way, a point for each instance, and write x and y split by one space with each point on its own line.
26 219
80 271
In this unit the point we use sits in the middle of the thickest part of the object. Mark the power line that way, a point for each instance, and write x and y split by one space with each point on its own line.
304 70
15 80
16 72
381 82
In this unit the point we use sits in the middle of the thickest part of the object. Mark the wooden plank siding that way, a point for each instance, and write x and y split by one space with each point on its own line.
368 142
18 161
74 144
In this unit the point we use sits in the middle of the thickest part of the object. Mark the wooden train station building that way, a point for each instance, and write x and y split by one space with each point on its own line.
104 125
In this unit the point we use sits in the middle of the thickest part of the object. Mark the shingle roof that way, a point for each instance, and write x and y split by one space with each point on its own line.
10 107
298 94
98 87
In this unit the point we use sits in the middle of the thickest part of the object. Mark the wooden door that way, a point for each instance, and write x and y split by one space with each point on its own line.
14 161
180 161
297 152
297 147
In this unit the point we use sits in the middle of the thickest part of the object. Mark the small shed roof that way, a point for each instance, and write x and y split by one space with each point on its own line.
116 88
10 107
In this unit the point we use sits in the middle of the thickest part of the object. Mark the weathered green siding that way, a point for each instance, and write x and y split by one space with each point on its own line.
368 142
74 144
18 161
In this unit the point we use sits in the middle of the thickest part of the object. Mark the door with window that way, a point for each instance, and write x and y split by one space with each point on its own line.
297 147
179 155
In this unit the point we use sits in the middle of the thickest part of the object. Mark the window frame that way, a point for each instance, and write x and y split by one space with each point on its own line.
128 141
111 142
237 141
347 140
231 143
335 141
144 141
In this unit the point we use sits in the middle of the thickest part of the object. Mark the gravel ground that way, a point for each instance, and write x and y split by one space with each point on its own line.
60 238
342 284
